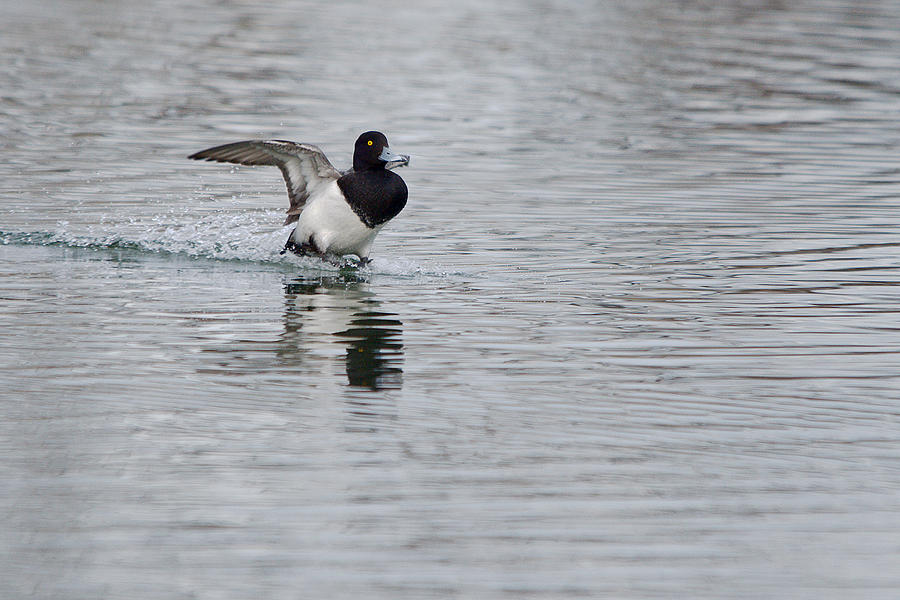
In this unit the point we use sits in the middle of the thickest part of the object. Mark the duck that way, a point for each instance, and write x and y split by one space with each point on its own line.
338 213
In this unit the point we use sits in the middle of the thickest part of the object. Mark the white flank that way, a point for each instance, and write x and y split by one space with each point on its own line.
332 225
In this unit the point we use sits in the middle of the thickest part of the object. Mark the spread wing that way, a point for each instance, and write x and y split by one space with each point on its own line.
304 166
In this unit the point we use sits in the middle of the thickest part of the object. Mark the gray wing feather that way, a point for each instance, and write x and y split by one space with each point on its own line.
304 166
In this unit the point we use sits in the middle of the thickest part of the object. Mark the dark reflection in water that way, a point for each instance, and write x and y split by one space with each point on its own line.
344 307
374 351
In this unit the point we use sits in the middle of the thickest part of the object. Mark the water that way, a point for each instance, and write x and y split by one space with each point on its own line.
634 336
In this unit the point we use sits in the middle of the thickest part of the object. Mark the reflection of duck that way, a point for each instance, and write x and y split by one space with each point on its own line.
342 307
374 351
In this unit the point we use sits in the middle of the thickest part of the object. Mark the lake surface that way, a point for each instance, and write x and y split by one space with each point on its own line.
636 334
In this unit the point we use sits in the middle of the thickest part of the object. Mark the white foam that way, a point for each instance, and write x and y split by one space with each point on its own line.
246 235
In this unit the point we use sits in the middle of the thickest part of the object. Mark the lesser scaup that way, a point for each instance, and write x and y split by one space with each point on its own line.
336 212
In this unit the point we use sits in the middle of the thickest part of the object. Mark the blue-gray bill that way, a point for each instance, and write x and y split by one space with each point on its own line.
393 160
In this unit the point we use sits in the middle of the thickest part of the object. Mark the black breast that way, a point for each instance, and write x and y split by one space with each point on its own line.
376 196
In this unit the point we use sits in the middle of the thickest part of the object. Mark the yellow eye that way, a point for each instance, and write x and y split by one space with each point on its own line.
369 142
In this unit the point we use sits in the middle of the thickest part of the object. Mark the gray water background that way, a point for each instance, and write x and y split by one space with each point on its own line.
635 335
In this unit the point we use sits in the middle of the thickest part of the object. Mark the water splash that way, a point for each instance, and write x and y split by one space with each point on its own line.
221 236
239 236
